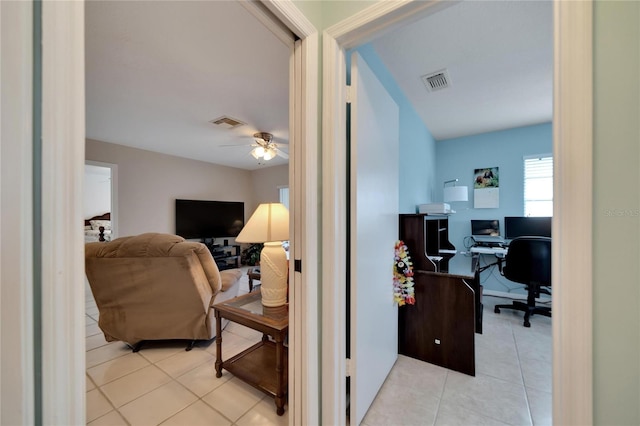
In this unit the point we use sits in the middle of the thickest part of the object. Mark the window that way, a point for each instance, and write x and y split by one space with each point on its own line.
538 185
284 195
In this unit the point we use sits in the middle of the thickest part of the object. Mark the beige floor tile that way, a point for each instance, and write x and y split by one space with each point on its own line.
233 344
416 374
116 368
134 385
92 311
158 405
233 399
264 414
402 406
494 398
498 358
92 329
537 375
540 405
112 418
184 361
95 341
89 321
157 351
97 405
450 414
89 384
202 379
243 331
197 414
106 353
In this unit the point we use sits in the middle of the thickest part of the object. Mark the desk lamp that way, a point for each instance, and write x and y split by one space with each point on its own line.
269 224
455 193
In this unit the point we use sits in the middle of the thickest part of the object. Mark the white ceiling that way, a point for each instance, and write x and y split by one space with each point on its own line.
499 55
158 72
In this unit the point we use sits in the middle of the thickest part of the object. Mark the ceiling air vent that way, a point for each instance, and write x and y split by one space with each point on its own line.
437 80
227 122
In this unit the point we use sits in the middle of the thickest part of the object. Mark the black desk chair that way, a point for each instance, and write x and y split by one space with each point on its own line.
528 262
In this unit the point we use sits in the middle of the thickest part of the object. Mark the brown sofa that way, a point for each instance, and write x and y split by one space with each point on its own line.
156 287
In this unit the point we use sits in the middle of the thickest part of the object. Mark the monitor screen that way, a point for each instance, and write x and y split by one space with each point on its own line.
209 219
485 227
515 227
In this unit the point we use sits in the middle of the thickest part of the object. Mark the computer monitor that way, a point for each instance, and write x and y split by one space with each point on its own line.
515 227
485 227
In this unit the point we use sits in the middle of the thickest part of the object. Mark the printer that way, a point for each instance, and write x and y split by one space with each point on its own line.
435 208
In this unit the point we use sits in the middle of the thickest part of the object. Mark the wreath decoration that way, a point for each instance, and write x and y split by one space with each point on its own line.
403 291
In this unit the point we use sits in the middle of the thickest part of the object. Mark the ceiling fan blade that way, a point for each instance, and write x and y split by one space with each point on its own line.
237 145
282 154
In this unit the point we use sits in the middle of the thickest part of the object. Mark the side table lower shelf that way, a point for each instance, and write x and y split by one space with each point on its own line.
255 367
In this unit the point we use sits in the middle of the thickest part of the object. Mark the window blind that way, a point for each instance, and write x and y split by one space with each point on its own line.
538 186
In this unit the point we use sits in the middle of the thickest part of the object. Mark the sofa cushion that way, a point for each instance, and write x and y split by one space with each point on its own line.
229 278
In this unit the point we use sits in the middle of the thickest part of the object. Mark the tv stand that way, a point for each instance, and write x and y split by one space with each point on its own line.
226 257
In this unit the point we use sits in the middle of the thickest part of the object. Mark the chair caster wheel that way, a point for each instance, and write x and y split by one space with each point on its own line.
496 310
527 324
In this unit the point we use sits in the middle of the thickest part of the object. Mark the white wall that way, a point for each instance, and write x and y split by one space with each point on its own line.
265 185
149 183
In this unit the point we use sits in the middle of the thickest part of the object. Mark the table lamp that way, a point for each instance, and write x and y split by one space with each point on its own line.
269 224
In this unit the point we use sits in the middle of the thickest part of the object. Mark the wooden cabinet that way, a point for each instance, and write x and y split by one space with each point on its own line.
440 328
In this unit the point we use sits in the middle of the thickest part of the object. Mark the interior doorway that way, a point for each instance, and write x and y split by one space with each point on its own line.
571 134
101 193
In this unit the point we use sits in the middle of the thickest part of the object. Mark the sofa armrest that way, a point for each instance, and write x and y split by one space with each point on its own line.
229 277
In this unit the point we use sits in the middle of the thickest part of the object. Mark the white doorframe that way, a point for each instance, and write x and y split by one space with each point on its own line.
16 230
63 276
572 304
113 193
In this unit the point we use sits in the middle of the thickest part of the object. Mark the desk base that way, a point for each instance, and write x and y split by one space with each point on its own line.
440 327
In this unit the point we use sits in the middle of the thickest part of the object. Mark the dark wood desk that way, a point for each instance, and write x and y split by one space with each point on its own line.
440 328
263 365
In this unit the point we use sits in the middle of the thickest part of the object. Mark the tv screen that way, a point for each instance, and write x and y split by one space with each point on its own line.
209 219
515 227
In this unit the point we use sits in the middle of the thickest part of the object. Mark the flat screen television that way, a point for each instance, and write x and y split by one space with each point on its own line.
515 226
209 219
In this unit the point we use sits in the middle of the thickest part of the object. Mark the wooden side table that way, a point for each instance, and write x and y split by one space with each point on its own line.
253 274
263 365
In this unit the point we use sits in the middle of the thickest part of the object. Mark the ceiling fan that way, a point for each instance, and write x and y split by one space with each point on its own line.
266 148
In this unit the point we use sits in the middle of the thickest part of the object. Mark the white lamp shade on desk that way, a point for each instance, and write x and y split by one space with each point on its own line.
269 224
456 193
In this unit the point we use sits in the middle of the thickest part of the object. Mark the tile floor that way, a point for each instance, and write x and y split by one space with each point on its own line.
512 385
165 385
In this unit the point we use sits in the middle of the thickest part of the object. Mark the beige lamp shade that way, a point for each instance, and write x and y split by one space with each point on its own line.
270 222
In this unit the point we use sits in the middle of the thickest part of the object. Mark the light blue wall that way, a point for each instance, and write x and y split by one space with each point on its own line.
457 158
417 146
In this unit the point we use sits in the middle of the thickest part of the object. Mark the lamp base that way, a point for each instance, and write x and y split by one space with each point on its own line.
274 271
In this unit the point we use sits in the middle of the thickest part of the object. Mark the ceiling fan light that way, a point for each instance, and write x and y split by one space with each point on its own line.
258 151
269 154
254 153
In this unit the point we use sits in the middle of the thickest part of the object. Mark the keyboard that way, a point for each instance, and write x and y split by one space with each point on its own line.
489 250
